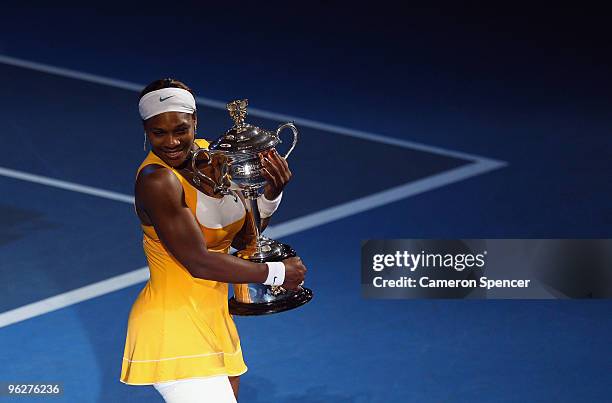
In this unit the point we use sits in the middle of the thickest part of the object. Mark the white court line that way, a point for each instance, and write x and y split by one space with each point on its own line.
73 297
478 166
379 199
74 187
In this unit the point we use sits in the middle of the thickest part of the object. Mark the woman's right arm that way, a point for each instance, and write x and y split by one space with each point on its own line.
160 194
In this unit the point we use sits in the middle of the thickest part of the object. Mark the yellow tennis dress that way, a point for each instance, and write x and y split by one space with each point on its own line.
180 326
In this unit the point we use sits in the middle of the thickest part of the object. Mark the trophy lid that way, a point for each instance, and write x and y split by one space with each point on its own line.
243 137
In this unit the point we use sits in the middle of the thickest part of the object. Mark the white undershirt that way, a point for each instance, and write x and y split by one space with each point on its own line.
215 389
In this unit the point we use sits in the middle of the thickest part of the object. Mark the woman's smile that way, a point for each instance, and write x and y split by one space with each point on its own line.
175 154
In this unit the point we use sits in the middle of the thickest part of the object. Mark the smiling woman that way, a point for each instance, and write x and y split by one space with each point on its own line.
169 133
180 337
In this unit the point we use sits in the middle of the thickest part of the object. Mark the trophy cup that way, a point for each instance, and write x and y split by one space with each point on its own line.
242 145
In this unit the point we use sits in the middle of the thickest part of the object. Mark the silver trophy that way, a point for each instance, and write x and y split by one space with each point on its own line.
242 145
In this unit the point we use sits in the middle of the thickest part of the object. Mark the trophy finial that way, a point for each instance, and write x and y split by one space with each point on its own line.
238 111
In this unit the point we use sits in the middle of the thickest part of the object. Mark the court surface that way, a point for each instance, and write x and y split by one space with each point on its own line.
71 261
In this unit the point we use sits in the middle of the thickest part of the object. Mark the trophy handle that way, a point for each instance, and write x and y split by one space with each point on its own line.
197 175
295 136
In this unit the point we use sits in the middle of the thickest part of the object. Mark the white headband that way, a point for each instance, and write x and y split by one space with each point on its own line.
166 100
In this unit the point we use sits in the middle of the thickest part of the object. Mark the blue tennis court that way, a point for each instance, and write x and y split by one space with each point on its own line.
71 260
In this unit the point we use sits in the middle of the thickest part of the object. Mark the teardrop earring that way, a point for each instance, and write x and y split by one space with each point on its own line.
144 143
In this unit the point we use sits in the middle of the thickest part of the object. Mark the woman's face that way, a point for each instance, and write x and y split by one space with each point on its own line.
171 135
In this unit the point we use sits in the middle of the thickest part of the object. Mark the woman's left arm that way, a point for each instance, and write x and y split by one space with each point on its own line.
277 173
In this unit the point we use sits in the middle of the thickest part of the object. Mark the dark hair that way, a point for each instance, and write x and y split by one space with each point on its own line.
164 83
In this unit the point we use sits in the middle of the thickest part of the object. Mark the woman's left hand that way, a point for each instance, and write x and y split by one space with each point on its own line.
276 171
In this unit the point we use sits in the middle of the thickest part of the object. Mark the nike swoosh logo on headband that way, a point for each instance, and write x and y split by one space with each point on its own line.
163 99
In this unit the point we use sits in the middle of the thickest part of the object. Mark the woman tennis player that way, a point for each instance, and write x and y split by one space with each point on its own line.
181 338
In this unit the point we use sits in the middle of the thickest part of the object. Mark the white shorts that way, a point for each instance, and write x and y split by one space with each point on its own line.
216 389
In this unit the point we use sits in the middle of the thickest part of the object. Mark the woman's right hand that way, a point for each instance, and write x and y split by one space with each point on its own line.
295 271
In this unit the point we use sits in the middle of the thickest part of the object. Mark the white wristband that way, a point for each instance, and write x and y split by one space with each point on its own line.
268 207
276 273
